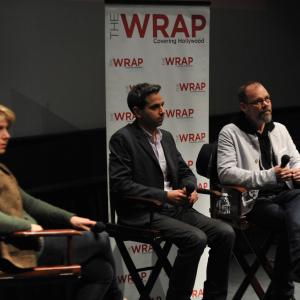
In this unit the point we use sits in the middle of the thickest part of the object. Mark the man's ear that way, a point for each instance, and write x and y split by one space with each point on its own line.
137 112
243 106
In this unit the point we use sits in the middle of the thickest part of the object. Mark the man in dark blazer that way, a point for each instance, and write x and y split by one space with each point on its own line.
145 162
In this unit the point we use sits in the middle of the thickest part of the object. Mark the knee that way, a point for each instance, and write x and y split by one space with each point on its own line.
197 239
102 241
98 270
226 234
103 236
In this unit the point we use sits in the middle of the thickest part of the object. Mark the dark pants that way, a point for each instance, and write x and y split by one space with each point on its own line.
281 213
93 252
191 232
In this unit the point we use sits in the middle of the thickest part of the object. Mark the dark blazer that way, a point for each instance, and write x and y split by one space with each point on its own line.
134 170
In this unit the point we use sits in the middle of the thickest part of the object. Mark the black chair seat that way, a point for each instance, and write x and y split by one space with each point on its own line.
129 233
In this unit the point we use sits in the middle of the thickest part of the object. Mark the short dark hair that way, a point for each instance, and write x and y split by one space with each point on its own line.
241 92
138 94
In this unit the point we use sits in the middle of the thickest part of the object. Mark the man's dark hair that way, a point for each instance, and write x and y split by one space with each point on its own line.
138 94
241 92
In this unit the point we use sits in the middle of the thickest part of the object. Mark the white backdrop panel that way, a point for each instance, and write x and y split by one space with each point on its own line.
168 45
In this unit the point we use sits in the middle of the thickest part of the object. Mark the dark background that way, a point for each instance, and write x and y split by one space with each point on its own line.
52 69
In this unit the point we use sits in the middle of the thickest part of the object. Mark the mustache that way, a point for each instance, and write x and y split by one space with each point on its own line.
264 111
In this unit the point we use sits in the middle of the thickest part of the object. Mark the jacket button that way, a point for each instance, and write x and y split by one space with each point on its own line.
256 161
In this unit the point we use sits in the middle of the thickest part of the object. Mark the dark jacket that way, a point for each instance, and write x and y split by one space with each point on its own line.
135 171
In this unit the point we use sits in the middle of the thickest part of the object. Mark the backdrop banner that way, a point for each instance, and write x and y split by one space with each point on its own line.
167 45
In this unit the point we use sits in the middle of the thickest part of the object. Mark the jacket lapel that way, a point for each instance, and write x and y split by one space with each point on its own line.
143 141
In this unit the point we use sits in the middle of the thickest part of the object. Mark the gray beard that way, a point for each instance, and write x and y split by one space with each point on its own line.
267 118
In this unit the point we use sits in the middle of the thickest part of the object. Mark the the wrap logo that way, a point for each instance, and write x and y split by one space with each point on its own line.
126 278
178 61
192 87
126 116
198 137
127 62
179 113
162 26
141 248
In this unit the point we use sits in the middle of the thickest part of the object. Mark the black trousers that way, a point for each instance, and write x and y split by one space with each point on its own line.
93 252
281 213
191 232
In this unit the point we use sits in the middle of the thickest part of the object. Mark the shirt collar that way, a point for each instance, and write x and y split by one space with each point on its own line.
149 135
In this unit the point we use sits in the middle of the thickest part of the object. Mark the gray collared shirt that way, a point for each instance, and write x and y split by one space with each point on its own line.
160 155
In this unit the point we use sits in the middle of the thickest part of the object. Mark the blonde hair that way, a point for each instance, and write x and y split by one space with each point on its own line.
7 113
